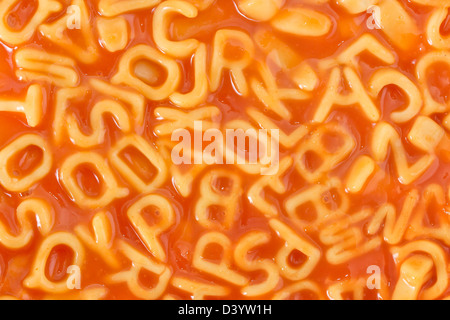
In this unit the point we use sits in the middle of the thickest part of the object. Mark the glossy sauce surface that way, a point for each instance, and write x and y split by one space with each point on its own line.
180 239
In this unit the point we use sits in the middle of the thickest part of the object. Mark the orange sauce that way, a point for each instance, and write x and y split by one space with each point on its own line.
179 241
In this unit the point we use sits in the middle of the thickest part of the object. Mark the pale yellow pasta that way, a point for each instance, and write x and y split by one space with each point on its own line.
43 213
384 137
150 233
271 95
37 65
199 290
161 23
300 286
286 140
314 195
176 119
248 242
394 227
31 106
302 22
133 73
110 186
294 242
260 10
386 77
255 193
361 171
356 6
111 8
44 9
357 96
55 32
38 278
314 143
365 43
101 239
227 201
346 240
97 122
199 92
136 102
339 290
236 67
431 106
17 183
435 38
221 270
127 172
113 33
140 262
426 134
397 24
438 256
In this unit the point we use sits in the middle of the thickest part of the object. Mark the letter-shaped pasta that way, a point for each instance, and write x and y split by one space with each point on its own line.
38 278
199 290
394 230
431 106
140 262
262 10
288 141
346 239
356 6
128 172
255 193
397 24
361 171
426 134
366 43
271 95
21 184
236 66
294 242
301 286
129 65
113 33
176 119
44 217
329 159
34 64
111 8
435 38
211 195
357 95
102 240
302 22
419 269
385 77
248 242
111 189
199 93
132 99
88 53
15 37
384 136
433 194
415 272
343 288
161 23
221 270
318 195
98 112
31 106
150 233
